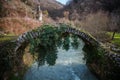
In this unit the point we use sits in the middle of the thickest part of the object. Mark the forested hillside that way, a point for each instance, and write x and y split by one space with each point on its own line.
84 7
94 15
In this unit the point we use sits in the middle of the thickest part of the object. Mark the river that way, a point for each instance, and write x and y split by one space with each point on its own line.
69 66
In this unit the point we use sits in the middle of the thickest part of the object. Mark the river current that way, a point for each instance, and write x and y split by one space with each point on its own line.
70 65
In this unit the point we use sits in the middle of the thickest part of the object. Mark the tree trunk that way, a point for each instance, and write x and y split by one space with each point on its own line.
113 35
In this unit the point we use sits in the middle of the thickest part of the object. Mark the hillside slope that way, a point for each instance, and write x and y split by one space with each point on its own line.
85 7
82 7
17 16
14 8
53 7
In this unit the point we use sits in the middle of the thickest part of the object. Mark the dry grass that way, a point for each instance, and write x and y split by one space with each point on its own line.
96 24
17 25
15 8
17 17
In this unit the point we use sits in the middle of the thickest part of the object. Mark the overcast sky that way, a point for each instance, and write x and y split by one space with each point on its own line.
62 1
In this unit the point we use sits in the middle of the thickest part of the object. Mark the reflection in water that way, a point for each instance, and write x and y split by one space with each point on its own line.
69 66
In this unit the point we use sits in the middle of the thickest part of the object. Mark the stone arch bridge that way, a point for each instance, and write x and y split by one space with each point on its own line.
87 38
91 44
97 55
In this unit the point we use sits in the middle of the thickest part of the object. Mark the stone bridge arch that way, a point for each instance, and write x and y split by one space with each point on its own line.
23 40
87 38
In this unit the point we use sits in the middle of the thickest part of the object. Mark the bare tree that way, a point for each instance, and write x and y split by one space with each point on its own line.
96 24
114 23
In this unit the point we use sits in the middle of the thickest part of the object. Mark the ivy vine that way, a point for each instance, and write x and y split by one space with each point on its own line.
50 38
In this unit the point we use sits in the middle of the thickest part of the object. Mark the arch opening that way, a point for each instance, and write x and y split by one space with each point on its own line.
69 65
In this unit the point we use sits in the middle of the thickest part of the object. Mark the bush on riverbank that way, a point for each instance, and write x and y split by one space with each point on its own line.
105 64
9 65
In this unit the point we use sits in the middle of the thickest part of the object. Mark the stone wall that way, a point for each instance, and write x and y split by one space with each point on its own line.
112 69
109 70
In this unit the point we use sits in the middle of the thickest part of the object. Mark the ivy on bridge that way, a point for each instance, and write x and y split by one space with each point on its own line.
44 41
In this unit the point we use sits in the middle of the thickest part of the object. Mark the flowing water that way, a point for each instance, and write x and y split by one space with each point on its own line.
69 66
